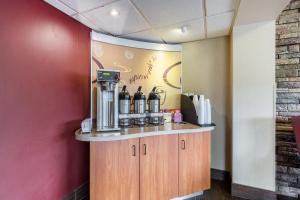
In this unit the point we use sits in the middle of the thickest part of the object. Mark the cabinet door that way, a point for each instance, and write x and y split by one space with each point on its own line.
194 163
159 167
114 170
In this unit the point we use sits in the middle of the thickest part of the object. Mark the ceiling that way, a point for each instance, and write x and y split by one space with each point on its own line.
163 21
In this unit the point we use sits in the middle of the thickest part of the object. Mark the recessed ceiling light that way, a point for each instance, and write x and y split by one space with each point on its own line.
114 13
183 29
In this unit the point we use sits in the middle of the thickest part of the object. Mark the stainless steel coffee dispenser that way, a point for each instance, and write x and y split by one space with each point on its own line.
139 106
124 106
154 106
107 100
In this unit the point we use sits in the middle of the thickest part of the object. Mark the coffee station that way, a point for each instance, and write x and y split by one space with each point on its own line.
134 147
145 138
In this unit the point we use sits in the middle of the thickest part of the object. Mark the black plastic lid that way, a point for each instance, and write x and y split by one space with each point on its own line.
124 94
139 95
153 95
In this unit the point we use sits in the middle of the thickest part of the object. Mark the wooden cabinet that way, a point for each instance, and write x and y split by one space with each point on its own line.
159 167
114 170
194 162
150 168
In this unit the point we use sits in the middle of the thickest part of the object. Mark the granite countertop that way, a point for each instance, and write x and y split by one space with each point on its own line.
137 132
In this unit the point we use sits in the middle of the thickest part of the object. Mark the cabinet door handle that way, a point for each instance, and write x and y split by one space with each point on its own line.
183 144
133 150
145 149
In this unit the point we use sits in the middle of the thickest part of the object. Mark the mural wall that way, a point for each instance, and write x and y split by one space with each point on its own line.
140 67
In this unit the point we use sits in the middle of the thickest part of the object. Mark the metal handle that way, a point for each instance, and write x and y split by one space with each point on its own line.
183 144
145 149
133 150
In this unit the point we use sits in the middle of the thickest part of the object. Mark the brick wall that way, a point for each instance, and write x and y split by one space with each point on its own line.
288 99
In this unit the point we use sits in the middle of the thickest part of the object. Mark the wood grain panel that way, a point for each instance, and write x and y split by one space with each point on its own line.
114 170
194 162
159 167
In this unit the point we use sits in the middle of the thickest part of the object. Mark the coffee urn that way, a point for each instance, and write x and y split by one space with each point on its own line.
154 105
139 100
124 106
107 100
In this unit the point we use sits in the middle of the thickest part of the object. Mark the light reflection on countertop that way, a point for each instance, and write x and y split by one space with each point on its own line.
137 132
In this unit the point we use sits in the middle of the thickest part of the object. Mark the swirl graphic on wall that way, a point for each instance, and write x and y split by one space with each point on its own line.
165 76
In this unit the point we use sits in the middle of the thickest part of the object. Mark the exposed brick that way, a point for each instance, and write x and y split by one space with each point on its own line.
294 48
294 107
295 5
286 95
281 73
288 12
293 170
287 99
286 61
289 55
289 114
289 35
287 177
293 17
294 79
282 183
282 49
286 29
281 169
282 107
295 66
288 85
286 41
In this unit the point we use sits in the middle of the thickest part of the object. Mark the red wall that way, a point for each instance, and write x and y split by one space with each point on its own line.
44 94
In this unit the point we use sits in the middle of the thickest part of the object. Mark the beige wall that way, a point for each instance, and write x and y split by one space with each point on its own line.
205 70
253 80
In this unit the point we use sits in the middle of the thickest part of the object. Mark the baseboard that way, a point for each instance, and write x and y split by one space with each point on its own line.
80 193
282 197
220 175
252 193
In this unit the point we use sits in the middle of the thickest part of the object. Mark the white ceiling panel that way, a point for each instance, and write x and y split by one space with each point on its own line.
166 12
172 34
219 25
60 6
126 22
86 22
154 20
215 7
147 36
83 5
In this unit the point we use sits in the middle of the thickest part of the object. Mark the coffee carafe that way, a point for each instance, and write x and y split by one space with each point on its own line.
154 105
139 101
124 106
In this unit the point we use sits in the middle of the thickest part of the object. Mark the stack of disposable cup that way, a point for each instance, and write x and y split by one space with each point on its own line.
196 103
201 110
207 112
202 107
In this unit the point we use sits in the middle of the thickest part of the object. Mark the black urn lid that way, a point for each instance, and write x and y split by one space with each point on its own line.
139 95
124 94
153 95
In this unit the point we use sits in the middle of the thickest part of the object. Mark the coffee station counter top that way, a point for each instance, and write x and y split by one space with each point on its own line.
138 132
